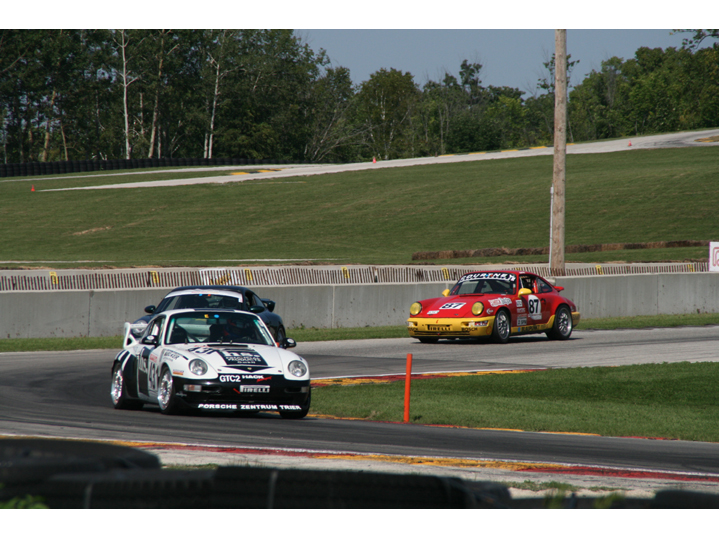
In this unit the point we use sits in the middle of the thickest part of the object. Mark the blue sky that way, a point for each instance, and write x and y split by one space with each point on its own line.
510 39
509 57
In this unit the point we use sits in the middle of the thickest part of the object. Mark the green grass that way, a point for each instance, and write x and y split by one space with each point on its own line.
676 401
376 216
657 321
303 334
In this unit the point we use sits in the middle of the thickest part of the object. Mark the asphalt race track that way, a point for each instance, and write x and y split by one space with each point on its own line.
66 394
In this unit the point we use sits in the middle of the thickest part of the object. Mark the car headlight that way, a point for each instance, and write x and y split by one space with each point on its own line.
297 368
415 309
477 308
198 367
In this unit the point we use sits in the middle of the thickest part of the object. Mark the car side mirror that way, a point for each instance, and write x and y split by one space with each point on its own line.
288 343
257 309
446 293
524 291
150 339
150 309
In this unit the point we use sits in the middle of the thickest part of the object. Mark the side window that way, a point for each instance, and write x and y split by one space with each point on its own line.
543 287
257 301
155 328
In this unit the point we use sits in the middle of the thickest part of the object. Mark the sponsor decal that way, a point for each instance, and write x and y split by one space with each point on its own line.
178 373
253 389
521 311
452 306
237 378
202 350
521 320
480 324
242 357
259 407
490 311
519 303
437 328
510 277
274 407
432 312
208 406
169 354
500 301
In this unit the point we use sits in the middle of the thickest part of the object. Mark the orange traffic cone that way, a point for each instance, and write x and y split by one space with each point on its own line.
33 188
630 142
374 159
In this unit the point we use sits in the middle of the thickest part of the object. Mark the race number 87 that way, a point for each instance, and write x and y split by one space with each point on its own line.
533 304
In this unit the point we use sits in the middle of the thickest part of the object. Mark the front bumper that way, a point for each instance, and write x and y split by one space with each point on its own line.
450 327
275 394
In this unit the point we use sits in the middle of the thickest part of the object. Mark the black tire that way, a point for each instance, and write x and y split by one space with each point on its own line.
118 391
502 327
302 413
428 340
166 393
281 335
563 326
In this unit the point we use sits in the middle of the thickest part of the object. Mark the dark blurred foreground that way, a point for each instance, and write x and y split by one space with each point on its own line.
75 475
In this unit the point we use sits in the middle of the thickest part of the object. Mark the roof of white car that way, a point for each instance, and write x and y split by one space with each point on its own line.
206 291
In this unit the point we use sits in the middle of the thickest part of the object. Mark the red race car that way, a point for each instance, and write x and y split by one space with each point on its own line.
496 304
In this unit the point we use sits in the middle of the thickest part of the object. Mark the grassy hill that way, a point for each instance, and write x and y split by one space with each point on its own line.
377 216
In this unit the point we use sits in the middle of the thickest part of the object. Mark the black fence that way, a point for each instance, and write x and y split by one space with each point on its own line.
90 165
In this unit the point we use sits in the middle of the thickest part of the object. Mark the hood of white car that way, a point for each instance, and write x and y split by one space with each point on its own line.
226 359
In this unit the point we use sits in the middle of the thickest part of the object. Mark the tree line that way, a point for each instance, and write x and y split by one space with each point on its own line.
265 94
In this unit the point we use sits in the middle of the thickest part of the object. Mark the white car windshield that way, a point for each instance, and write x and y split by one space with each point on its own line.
216 328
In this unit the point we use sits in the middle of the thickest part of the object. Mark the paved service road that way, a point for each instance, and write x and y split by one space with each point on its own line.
584 349
671 140
67 394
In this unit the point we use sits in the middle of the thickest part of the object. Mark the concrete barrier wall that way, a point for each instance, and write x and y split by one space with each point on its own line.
102 313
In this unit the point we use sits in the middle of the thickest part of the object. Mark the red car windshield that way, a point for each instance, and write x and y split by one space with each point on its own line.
484 286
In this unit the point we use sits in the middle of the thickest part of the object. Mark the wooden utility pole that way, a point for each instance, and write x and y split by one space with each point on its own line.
556 263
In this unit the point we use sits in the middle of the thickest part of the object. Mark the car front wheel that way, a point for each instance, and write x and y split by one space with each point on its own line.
502 327
563 326
166 393
118 392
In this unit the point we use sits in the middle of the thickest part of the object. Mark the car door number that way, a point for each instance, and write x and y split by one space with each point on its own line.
153 373
535 307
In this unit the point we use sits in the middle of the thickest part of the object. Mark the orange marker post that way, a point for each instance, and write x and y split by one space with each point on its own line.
407 383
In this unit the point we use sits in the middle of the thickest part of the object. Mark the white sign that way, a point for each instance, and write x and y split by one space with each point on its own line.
714 256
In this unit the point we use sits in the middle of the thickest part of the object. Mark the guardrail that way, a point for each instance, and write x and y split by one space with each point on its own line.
120 279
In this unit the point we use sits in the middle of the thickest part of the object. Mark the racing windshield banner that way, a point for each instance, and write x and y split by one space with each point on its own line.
509 277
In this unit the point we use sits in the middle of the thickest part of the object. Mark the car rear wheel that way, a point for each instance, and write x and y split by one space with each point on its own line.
502 327
166 393
300 413
428 340
563 325
118 392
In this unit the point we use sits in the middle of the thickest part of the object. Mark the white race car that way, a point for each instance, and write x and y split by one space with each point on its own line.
209 359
